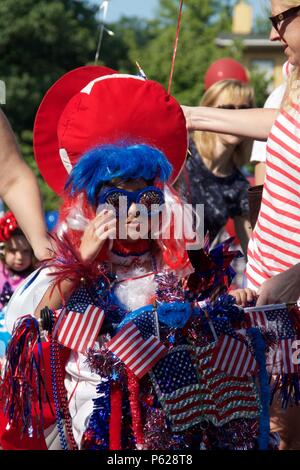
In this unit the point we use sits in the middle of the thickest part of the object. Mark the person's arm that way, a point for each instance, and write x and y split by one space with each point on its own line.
284 287
253 123
260 173
19 190
243 230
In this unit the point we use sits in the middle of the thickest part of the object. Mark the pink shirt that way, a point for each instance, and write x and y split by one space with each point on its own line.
12 280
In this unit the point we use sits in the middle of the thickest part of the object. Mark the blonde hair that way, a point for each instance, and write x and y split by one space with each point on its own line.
293 89
231 92
290 4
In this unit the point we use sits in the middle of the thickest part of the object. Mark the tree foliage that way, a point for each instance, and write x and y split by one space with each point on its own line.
40 40
196 48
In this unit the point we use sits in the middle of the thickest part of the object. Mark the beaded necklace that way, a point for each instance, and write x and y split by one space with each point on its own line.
63 418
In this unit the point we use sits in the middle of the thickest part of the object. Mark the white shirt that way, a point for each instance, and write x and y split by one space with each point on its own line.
273 102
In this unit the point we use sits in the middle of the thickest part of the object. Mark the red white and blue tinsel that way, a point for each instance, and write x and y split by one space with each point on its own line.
23 384
183 402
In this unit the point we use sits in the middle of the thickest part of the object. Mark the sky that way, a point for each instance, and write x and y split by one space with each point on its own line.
147 8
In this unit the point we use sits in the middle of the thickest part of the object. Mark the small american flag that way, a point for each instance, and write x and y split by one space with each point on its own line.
79 325
233 357
275 320
138 354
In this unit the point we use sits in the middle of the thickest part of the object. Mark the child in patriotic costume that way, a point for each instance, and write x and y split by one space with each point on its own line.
135 354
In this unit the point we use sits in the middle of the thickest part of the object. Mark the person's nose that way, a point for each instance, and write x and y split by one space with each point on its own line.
19 255
274 35
133 210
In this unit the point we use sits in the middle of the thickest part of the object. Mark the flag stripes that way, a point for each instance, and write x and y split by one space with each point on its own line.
217 397
78 331
233 357
138 354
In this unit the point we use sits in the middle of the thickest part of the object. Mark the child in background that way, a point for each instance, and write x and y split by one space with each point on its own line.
17 262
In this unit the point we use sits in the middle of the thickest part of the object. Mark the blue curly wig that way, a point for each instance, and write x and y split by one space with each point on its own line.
107 162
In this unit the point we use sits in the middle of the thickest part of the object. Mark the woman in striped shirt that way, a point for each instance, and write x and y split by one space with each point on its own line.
274 250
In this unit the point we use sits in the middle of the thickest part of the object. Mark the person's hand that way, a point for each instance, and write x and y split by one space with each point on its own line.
282 288
243 296
102 227
43 248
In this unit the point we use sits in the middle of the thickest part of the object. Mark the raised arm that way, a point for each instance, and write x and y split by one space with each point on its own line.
19 189
253 123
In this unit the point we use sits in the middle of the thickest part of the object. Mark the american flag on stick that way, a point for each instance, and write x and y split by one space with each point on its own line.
233 357
276 321
139 354
271 317
79 325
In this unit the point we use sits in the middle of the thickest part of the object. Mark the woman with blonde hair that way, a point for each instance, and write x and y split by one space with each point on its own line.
212 175
274 250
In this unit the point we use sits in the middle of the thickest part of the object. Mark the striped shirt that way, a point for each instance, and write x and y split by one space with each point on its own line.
275 243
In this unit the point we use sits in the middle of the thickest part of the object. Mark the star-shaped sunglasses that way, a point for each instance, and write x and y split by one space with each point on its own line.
148 199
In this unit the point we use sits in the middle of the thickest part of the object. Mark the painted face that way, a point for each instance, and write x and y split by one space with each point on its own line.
287 32
18 253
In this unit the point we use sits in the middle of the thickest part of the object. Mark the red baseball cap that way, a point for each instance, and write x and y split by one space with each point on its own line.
93 106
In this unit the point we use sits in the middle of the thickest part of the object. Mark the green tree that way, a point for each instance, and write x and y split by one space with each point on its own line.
123 49
261 86
40 40
196 48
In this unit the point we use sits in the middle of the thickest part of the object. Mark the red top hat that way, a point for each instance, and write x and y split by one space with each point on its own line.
93 106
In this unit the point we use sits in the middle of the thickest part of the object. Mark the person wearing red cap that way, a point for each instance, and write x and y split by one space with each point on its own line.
19 190
123 296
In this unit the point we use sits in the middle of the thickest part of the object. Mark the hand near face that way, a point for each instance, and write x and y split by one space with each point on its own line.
100 229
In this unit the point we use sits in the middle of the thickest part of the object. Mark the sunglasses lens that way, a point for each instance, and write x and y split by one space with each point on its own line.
113 199
151 197
146 198
233 106
227 106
